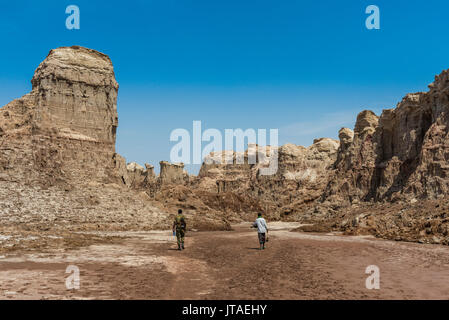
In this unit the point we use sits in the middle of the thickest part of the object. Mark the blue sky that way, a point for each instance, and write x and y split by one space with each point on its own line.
305 67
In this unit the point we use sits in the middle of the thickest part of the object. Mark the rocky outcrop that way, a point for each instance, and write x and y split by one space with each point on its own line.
172 173
400 138
300 177
57 153
391 178
64 129
149 168
303 173
61 137
355 164
398 156
76 95
57 147
136 174
401 156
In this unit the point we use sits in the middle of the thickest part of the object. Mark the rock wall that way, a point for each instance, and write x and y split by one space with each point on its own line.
399 156
58 166
172 173
300 177
63 131
76 94
57 156
350 181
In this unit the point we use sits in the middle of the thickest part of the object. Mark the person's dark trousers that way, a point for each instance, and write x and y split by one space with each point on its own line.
261 240
180 233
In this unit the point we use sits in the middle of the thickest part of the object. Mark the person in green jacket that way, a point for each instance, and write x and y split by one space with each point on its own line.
179 226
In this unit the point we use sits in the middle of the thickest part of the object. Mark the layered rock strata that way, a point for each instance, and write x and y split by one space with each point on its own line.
64 129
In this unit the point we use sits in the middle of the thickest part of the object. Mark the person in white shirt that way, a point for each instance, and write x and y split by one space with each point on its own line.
262 230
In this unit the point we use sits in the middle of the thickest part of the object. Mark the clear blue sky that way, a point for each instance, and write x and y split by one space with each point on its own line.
305 67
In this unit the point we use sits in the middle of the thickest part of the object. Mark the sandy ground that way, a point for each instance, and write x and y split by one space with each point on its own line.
227 265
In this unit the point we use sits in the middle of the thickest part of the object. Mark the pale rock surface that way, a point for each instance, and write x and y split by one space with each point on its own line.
171 173
399 156
300 177
64 129
57 156
58 165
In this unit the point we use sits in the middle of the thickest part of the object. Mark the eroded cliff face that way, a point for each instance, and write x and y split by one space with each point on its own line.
76 94
391 174
299 180
58 166
400 155
388 176
57 152
351 178
64 129
430 178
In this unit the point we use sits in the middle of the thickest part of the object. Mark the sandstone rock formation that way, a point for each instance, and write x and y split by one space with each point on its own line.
136 174
64 129
355 161
58 165
390 179
300 178
59 169
400 155
172 173
76 94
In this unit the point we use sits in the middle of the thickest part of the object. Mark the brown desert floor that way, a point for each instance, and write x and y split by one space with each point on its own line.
227 265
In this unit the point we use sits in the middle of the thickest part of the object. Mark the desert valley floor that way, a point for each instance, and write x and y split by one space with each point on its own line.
227 265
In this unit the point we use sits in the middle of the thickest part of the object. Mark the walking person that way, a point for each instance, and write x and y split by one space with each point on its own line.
262 230
179 226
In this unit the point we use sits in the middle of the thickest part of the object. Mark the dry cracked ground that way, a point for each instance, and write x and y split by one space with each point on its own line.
227 265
